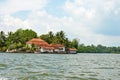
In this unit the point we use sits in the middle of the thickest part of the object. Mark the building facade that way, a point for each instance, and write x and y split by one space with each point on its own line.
44 47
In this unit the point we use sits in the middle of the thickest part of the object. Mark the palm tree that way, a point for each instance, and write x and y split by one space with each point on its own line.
10 34
60 37
75 43
2 39
50 34
2 36
62 34
9 37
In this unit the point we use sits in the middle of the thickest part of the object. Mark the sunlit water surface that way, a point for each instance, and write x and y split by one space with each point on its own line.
59 66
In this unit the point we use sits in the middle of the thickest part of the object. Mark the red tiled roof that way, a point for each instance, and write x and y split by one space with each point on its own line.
48 47
43 44
56 45
37 42
72 49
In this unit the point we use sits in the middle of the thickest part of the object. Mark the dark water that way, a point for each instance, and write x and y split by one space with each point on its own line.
59 66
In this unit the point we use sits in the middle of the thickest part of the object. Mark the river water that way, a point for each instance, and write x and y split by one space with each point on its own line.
59 66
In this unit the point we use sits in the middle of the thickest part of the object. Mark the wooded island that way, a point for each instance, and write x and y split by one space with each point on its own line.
18 41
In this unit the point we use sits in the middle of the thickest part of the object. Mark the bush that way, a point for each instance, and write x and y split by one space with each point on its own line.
3 49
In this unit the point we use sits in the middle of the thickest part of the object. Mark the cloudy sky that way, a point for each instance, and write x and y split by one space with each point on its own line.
91 21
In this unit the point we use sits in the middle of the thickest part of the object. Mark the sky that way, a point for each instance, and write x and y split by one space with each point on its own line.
90 21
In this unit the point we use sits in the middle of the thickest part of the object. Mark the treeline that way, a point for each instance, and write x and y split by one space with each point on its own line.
18 39
97 49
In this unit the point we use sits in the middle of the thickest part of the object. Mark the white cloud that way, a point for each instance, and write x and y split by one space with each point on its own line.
9 23
89 14
82 13
82 20
12 6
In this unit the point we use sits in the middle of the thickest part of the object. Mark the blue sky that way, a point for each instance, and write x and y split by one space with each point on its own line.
91 21
21 14
54 8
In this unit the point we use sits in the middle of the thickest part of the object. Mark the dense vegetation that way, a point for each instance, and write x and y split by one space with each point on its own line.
18 39
97 49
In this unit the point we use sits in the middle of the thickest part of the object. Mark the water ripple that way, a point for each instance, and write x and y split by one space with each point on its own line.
59 67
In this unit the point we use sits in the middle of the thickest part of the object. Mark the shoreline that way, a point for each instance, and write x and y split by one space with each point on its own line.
53 53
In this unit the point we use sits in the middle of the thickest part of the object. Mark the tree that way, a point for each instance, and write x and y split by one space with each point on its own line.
2 36
45 37
51 36
27 35
19 38
75 43
60 37
62 34
9 39
2 39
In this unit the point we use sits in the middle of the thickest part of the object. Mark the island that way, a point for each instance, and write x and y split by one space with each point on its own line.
28 41
42 46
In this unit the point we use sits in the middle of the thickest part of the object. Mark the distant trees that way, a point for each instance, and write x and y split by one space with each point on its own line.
75 43
97 49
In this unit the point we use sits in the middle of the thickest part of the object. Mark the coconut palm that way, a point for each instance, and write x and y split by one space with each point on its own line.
2 36
50 34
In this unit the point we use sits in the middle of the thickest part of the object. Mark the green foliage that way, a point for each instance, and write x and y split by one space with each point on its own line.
45 37
20 36
24 35
75 43
3 49
17 39
97 49
51 38
12 46
2 39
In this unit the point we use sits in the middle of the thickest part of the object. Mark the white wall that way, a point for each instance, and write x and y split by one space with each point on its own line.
45 50
73 52
62 49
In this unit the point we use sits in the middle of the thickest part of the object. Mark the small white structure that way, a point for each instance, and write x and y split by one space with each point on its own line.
59 48
46 49
72 50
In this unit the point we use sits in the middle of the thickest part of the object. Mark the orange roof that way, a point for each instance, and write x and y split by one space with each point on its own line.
72 49
48 47
37 42
44 44
36 39
56 45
